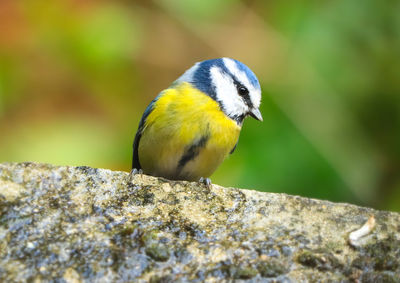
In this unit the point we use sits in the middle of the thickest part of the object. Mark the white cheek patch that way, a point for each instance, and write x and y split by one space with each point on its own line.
254 92
226 92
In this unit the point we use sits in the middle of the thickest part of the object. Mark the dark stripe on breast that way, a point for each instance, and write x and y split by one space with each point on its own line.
192 151
233 149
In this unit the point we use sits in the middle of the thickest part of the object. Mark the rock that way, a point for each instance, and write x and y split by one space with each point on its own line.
80 224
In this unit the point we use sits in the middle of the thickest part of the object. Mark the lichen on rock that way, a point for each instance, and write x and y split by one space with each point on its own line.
80 224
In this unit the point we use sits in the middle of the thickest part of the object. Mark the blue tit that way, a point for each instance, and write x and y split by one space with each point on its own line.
192 126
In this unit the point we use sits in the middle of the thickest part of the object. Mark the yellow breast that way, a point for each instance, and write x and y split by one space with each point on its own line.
186 136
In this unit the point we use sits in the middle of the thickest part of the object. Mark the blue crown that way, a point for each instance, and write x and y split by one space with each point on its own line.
201 78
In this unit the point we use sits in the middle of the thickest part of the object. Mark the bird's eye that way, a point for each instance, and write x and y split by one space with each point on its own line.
242 90
244 93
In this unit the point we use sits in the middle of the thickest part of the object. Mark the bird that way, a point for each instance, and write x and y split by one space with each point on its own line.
188 130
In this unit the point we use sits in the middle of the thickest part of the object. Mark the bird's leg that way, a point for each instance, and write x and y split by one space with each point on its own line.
206 182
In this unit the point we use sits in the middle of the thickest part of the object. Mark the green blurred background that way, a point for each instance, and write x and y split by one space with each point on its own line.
75 77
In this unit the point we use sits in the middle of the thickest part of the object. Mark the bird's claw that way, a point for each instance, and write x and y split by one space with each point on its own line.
206 182
134 172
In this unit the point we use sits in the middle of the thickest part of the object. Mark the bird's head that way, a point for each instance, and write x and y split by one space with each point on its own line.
229 82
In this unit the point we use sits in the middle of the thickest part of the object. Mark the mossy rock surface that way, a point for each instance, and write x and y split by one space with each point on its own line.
81 224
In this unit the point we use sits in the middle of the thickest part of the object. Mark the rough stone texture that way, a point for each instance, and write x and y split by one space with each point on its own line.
74 224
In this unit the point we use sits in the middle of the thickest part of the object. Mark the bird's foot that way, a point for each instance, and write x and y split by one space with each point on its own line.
206 182
134 172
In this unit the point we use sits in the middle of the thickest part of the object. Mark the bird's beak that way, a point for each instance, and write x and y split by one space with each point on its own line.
256 114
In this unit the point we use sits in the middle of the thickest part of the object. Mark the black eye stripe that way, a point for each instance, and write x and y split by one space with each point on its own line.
244 93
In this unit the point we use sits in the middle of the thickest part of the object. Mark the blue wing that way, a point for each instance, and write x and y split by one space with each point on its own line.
135 159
